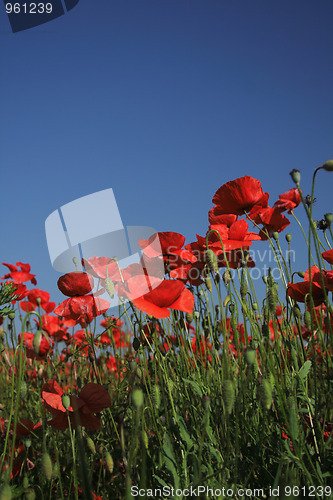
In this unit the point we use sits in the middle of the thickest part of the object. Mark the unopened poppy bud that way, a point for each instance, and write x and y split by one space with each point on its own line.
109 286
91 445
47 466
208 283
307 320
329 218
227 278
137 398
228 395
6 492
275 235
212 261
288 237
255 306
66 401
250 356
11 315
301 274
243 290
36 341
39 301
156 396
131 363
272 297
226 301
189 317
109 462
196 314
145 439
296 176
29 494
328 166
40 372
25 482
297 312
265 394
23 389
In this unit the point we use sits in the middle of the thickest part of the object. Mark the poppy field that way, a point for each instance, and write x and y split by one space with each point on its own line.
195 388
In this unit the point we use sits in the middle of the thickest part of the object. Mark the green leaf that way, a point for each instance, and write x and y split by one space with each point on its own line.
194 386
184 433
170 460
304 370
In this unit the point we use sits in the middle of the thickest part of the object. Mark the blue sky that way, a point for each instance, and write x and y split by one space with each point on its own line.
162 101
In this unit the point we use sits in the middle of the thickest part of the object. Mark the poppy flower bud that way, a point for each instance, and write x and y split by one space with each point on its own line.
47 466
109 286
6 493
265 394
11 315
212 261
66 401
29 494
255 306
131 363
272 297
36 341
243 290
227 278
288 238
23 389
328 166
297 312
196 314
91 445
296 176
145 439
307 320
226 301
301 274
189 317
228 395
137 398
329 218
109 462
156 396
208 283
250 356
275 235
136 344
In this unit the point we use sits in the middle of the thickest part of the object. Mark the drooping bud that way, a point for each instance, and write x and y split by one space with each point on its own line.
328 166
301 274
47 466
189 317
250 356
156 396
243 290
109 462
109 287
296 176
297 312
144 439
91 445
329 218
136 344
228 395
212 261
226 301
307 319
11 315
227 278
208 283
36 341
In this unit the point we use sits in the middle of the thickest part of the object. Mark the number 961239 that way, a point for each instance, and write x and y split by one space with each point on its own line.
29 8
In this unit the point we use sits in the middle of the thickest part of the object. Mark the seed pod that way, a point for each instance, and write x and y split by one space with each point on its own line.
156 396
6 493
228 395
227 278
226 301
145 439
109 287
329 218
212 261
296 176
91 445
243 290
208 283
265 394
66 402
109 462
137 398
47 466
272 297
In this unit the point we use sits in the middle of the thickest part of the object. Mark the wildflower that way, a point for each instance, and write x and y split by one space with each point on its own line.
288 200
19 276
37 297
45 345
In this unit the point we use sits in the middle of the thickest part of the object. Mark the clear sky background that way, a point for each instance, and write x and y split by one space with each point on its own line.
163 101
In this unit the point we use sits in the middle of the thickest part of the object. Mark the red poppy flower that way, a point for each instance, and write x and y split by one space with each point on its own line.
19 291
328 256
44 346
239 196
288 200
215 217
32 303
272 220
54 327
19 276
170 294
75 284
93 398
299 291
